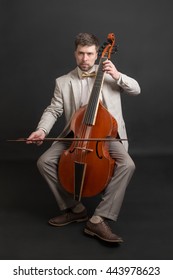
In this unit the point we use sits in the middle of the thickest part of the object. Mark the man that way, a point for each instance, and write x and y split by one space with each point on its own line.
71 92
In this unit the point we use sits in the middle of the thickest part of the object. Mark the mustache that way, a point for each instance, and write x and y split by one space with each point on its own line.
81 66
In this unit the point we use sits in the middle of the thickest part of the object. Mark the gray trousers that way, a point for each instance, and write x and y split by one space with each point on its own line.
112 196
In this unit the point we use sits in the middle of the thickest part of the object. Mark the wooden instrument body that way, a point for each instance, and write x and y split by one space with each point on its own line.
97 164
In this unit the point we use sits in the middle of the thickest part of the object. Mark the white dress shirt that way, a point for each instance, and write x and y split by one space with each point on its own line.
86 85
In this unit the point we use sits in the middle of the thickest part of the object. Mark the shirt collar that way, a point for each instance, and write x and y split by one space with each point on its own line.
80 71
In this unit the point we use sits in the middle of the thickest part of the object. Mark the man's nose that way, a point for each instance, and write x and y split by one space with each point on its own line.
85 57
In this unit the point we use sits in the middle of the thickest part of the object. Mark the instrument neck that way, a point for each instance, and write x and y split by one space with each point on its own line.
91 111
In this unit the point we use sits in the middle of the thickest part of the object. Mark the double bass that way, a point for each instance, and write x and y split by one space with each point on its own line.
86 167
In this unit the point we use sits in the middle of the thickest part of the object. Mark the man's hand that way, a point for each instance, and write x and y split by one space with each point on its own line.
36 137
110 68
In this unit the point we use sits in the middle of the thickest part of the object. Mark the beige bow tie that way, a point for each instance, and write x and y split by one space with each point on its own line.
86 74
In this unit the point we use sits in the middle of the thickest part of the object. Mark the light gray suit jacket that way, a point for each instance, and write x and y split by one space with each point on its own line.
67 99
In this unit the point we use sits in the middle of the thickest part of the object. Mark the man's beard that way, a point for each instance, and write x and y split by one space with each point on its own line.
85 68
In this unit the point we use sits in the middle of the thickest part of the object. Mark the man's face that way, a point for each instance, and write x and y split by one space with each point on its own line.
85 57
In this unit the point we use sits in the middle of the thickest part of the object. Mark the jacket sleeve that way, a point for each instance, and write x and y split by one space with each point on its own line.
53 111
128 84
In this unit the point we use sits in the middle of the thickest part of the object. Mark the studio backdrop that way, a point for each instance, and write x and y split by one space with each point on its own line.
37 46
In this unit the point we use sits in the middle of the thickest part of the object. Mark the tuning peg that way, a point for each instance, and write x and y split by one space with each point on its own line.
114 49
102 47
105 44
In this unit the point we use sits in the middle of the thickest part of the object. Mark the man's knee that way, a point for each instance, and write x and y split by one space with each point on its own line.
46 163
130 165
41 163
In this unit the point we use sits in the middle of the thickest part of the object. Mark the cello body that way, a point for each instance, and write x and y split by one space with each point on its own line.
88 163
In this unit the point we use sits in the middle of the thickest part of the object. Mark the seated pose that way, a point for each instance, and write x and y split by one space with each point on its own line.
72 91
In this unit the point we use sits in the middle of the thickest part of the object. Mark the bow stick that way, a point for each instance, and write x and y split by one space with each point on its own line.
67 139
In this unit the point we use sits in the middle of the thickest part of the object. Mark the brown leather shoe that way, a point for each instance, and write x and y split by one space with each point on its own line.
102 231
68 217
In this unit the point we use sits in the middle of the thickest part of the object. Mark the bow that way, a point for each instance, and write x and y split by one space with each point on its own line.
86 74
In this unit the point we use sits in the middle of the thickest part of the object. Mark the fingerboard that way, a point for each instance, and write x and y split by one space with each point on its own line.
91 111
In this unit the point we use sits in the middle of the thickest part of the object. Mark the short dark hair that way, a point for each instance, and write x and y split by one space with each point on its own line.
86 39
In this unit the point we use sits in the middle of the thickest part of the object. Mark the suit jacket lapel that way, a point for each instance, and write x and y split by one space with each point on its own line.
75 83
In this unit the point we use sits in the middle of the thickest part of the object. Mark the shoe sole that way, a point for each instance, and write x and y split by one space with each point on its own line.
67 223
104 239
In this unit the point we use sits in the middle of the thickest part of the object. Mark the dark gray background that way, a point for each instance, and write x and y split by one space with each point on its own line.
37 46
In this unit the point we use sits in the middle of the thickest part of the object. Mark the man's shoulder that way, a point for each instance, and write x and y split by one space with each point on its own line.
67 77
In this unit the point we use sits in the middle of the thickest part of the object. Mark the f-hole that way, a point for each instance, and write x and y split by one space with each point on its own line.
97 152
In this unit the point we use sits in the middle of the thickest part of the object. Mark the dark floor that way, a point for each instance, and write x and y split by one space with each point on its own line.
145 221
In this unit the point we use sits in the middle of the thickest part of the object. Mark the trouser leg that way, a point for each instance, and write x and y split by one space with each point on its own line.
113 195
48 167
